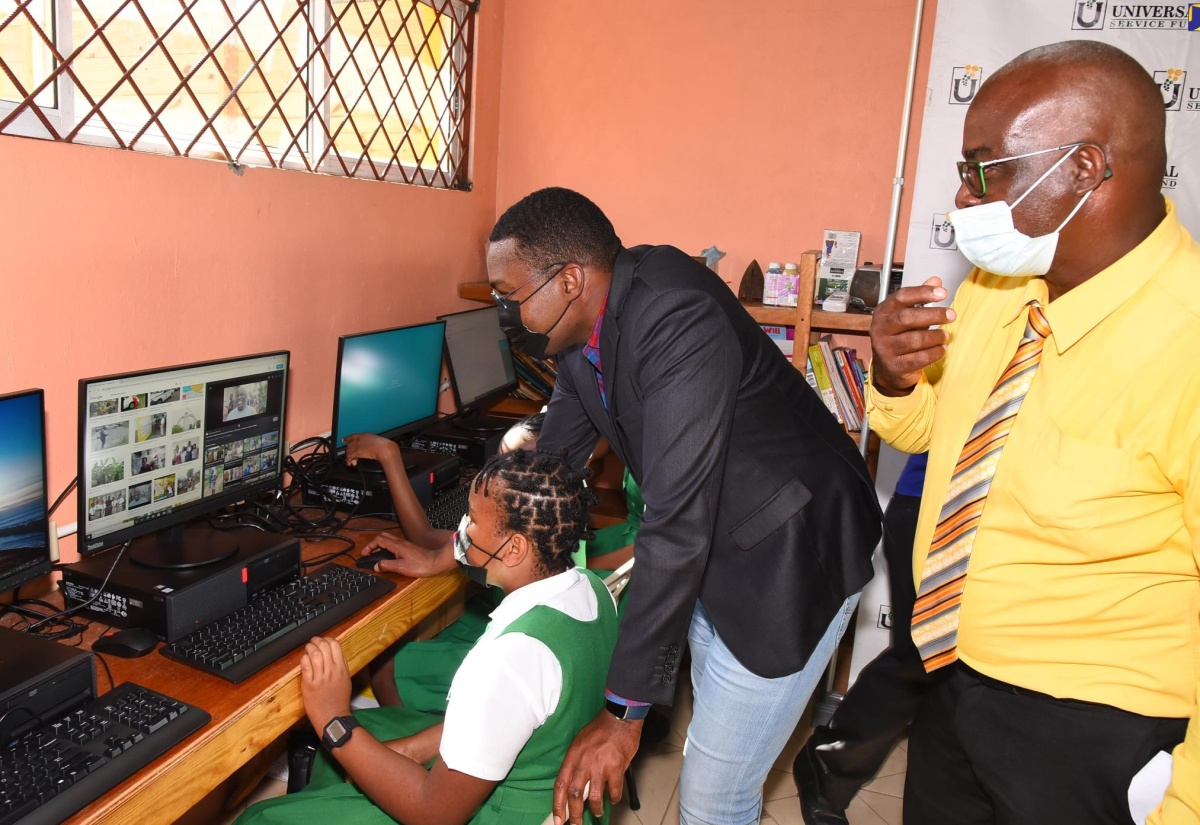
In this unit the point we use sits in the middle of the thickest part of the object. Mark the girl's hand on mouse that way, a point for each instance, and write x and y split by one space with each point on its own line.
410 560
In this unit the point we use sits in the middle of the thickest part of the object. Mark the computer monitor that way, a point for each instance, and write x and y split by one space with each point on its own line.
481 367
160 448
24 524
387 381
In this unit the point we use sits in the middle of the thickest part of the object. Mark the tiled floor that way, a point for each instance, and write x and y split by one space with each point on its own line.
656 771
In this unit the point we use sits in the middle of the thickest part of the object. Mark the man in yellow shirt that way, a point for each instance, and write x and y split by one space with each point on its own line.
1057 556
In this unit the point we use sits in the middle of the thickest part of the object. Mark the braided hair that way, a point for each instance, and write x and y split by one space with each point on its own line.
540 495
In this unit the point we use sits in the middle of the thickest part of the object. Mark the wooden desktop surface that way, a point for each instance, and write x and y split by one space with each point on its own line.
248 717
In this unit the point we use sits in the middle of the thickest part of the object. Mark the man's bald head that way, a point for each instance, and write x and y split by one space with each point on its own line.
1082 90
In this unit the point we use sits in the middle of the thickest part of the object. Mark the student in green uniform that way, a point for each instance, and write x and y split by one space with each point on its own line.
418 675
535 677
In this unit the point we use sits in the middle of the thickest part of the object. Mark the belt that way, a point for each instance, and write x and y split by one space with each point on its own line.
1015 690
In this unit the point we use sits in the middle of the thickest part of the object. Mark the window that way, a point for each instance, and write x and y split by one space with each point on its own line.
375 89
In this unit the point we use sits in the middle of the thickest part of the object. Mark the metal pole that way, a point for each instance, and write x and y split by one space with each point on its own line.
889 248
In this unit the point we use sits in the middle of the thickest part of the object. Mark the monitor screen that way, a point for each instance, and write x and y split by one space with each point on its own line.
478 354
24 525
160 447
387 381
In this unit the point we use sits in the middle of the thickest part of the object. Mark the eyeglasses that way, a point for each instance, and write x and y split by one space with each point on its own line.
970 172
497 297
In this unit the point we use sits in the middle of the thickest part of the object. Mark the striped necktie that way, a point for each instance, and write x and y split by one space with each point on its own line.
935 614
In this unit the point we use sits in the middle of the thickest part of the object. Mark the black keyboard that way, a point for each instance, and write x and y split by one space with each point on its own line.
277 621
448 507
52 771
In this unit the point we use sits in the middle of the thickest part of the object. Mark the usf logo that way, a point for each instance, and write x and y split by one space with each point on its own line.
1089 14
941 235
964 82
1170 83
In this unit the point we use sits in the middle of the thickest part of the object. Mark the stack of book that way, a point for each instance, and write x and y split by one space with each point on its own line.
535 379
838 376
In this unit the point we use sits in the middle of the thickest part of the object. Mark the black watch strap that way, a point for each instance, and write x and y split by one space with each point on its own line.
626 711
337 732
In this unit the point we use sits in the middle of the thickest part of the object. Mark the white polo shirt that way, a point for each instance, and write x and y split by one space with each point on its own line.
508 685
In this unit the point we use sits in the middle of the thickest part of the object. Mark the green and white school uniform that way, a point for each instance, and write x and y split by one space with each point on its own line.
533 680
423 670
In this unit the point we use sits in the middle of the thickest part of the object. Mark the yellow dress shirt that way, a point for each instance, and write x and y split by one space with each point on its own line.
1084 578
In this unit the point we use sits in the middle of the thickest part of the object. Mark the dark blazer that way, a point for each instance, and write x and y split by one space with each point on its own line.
757 501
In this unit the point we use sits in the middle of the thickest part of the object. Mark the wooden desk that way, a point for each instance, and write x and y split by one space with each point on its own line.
248 717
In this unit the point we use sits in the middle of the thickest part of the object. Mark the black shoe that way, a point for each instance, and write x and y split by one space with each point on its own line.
815 809
302 750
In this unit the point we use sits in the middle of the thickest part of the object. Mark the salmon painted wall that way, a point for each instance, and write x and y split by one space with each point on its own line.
113 261
752 126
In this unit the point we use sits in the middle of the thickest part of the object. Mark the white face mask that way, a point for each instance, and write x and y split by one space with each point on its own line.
987 238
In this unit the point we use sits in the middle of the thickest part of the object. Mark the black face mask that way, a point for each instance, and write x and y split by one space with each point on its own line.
520 336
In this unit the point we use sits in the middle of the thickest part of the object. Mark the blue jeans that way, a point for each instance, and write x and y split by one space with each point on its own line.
740 723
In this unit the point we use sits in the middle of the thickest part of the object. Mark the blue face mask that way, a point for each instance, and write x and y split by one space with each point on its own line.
475 572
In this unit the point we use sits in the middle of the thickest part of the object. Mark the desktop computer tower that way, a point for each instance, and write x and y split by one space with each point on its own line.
39 680
173 603
473 448
349 487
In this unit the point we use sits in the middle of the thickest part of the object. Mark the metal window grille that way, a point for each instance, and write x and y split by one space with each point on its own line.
375 89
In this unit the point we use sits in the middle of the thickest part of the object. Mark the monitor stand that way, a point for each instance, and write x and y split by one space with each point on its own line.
185 546
477 421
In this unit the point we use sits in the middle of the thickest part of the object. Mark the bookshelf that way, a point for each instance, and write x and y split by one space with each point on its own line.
811 322
806 318
480 291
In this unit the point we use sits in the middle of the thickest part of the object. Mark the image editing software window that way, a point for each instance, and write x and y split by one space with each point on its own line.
160 447
387 381
24 525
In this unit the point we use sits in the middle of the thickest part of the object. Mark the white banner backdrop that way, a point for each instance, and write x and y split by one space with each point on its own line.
973 38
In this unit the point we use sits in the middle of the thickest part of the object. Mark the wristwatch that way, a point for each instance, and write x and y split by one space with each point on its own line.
337 732
623 712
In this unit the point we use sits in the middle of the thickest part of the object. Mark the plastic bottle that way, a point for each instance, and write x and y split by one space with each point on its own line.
773 285
791 284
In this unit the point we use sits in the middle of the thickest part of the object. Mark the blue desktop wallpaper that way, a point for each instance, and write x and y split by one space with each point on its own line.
388 380
22 485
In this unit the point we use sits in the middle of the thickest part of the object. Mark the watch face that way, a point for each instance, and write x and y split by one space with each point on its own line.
336 730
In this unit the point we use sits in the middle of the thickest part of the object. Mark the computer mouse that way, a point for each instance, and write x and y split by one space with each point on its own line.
368 562
127 644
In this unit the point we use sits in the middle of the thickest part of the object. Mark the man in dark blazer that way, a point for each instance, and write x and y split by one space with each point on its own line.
760 514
